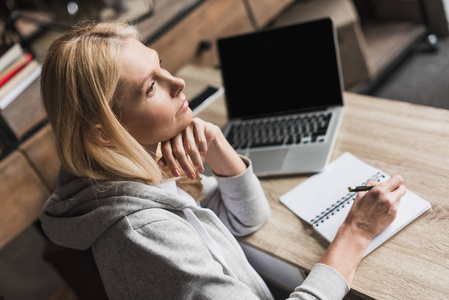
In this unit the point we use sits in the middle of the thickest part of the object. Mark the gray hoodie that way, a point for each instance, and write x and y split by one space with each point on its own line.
150 242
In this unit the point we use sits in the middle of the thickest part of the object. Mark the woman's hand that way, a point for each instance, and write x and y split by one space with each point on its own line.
188 147
371 213
200 139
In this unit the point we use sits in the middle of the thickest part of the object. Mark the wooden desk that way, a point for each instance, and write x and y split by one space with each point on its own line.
398 138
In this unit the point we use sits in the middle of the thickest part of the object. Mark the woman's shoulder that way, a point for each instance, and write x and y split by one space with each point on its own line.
152 216
152 224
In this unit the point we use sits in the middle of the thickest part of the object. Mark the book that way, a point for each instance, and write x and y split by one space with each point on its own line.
19 83
14 68
10 56
323 199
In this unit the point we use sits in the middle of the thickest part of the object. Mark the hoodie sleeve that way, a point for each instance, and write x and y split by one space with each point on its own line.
323 282
238 201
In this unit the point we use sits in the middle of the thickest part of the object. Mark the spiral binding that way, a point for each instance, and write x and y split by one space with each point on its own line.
345 200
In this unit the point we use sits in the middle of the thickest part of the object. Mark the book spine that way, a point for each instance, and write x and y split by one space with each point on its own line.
10 56
22 63
9 97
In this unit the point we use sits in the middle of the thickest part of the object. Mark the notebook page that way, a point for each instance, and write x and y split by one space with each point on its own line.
323 200
310 198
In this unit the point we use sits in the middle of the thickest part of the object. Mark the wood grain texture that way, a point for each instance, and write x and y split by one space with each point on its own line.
398 138
164 12
342 11
41 153
266 10
22 195
26 111
386 40
212 19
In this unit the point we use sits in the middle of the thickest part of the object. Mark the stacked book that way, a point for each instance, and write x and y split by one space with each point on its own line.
18 69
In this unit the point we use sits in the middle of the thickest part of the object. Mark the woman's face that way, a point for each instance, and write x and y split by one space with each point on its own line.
153 107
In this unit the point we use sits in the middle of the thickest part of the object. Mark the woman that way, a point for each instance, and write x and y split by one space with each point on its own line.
112 107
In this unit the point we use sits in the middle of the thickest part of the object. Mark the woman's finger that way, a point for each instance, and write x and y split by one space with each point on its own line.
368 183
162 164
200 138
393 183
371 182
180 155
192 150
400 191
168 157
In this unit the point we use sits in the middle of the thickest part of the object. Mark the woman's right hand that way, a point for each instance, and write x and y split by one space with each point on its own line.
373 211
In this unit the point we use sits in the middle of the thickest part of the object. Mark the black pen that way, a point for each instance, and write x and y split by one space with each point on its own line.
360 188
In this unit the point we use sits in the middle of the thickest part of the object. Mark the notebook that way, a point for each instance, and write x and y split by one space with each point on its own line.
283 90
324 201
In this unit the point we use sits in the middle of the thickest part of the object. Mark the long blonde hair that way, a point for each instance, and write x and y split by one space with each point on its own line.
80 86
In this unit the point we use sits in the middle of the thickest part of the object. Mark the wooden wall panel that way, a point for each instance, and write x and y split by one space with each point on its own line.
26 111
22 195
266 10
212 19
40 151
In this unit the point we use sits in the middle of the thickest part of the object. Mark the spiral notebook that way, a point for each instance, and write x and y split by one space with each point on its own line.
324 201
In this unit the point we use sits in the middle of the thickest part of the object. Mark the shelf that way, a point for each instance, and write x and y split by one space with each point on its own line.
25 112
387 41
166 14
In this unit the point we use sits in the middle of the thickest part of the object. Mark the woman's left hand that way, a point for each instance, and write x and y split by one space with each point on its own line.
188 147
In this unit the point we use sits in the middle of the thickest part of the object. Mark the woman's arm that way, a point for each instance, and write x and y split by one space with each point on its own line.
371 213
239 200
222 158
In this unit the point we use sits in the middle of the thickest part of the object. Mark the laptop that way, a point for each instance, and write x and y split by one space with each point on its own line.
283 90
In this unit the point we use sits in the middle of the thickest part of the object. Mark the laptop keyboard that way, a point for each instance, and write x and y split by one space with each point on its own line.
300 129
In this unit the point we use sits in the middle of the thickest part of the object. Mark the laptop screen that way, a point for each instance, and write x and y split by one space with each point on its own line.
293 68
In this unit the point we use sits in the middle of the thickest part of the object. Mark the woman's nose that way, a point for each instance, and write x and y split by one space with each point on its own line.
177 86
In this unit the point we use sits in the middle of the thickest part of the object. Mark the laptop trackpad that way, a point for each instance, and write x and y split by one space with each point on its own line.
266 161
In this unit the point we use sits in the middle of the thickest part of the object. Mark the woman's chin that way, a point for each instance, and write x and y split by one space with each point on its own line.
187 116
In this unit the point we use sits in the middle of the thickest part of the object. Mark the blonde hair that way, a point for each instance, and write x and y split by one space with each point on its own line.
80 88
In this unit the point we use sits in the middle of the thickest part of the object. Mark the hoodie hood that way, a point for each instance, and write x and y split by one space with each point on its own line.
80 210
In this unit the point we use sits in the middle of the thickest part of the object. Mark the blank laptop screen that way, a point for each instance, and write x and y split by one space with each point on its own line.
292 68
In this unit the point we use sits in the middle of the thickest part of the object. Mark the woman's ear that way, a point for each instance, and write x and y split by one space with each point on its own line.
100 137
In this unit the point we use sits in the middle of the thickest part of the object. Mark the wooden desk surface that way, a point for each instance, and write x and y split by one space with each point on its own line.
398 138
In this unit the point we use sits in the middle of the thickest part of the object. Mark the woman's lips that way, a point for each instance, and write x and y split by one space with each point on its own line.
184 105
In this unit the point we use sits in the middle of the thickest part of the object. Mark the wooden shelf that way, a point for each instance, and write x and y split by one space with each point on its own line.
165 12
388 40
26 111
22 194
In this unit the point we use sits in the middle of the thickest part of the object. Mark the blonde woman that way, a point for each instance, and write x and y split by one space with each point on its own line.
111 106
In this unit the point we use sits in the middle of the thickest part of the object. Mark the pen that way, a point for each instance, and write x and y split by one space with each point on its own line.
360 188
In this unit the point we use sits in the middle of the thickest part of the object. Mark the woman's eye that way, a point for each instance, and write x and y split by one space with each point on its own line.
151 89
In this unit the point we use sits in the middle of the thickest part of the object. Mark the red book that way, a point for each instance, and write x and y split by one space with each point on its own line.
15 68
